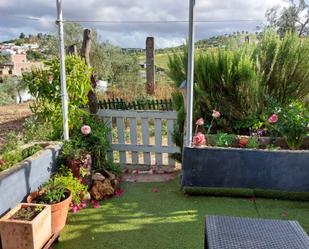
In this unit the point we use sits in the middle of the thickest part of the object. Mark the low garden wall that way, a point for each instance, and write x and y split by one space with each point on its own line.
18 181
232 168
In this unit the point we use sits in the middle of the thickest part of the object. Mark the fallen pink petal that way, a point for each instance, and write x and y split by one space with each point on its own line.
119 192
155 190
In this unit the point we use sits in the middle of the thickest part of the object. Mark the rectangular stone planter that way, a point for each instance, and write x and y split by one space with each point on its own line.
213 167
18 181
20 234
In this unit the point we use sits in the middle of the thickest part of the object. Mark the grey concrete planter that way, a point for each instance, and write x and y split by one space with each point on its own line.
18 181
249 169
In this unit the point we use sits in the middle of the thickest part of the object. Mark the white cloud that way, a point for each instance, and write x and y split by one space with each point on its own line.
133 35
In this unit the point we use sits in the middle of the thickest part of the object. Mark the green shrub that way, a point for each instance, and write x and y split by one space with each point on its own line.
242 81
45 86
292 124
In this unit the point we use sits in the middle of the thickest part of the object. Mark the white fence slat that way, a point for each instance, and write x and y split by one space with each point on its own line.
158 140
170 130
133 139
121 138
145 138
109 124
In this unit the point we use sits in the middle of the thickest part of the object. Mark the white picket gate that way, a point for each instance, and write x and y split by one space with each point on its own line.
134 139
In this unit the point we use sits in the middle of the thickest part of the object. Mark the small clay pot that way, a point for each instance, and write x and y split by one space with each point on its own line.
243 141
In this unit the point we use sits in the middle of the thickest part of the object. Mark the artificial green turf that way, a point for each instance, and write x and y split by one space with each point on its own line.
145 219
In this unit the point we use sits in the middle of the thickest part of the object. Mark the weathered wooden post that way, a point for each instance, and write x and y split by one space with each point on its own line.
85 53
150 65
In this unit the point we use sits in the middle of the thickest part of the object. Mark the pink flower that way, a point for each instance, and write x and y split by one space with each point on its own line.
200 122
86 129
273 119
95 204
199 139
216 114
82 205
75 209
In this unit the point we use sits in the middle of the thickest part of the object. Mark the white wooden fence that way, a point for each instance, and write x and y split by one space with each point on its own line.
133 137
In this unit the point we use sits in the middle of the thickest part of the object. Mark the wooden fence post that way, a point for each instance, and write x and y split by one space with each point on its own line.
150 65
85 53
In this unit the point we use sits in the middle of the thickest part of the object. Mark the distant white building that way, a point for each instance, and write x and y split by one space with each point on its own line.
102 85
23 96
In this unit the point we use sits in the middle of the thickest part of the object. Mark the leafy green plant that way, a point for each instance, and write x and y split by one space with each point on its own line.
224 139
44 85
253 143
31 150
10 158
114 168
241 80
12 142
57 188
95 142
37 130
292 124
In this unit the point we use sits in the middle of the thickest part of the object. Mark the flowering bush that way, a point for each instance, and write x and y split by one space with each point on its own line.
291 123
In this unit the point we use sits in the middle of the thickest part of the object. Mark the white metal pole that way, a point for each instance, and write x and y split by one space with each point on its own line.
190 75
64 93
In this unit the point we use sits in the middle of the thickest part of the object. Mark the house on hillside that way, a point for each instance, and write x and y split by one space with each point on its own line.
17 66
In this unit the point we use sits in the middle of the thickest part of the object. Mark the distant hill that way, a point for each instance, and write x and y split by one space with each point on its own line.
161 55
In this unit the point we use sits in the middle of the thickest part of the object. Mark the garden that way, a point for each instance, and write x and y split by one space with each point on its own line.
250 143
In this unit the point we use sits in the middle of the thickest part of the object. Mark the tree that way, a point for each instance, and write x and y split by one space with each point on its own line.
22 35
294 18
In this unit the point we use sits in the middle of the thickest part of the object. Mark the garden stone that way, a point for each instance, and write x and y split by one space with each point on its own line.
101 189
98 177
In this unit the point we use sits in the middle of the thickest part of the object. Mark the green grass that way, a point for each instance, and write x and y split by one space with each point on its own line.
161 60
165 219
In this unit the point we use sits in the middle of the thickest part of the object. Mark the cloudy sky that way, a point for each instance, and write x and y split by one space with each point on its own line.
222 14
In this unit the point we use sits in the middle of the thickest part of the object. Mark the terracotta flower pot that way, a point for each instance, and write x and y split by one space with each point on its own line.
243 141
19 233
59 211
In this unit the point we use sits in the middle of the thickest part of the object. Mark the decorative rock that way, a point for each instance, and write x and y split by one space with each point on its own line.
101 189
111 176
98 177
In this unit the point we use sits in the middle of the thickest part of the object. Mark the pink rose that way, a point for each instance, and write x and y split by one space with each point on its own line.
86 129
199 139
273 119
216 114
200 122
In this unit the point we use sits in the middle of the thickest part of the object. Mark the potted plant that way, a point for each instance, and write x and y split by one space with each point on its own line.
79 161
26 226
